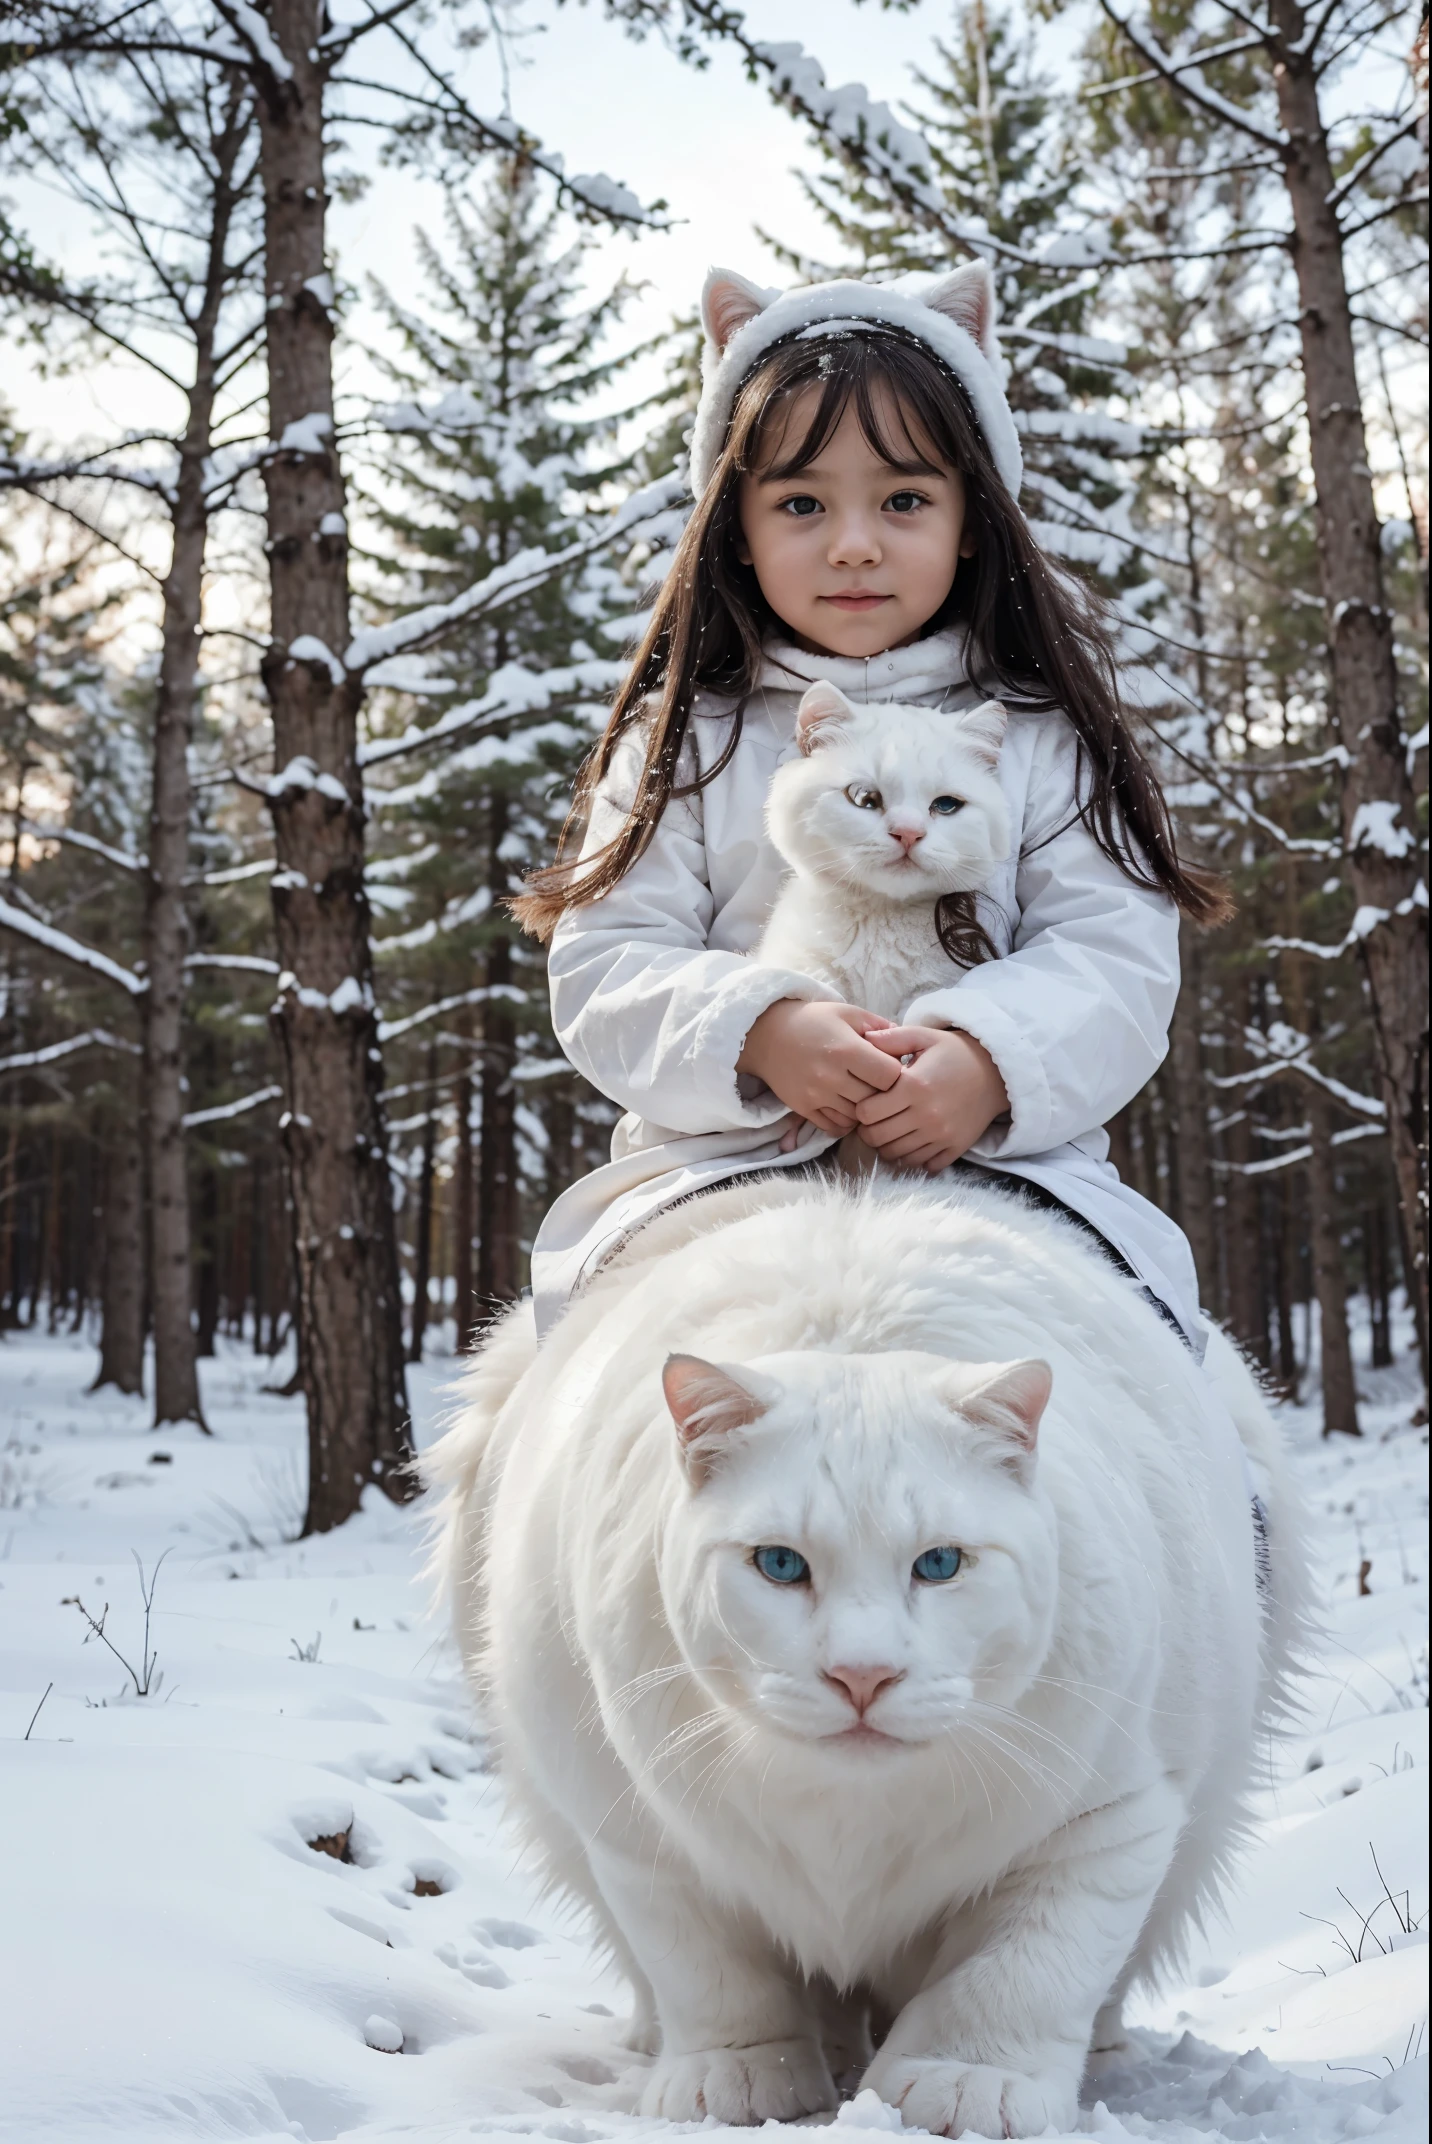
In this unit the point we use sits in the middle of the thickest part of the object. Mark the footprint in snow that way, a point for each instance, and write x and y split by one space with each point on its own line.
509 1935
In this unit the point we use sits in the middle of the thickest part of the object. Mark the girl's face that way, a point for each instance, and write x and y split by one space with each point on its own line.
854 554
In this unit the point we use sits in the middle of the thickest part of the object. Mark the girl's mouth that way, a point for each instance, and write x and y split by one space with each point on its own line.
856 599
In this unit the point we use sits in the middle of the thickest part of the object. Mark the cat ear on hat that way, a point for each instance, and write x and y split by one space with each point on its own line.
823 704
728 302
967 298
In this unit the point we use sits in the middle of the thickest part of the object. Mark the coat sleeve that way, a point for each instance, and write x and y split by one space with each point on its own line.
642 1006
1076 1015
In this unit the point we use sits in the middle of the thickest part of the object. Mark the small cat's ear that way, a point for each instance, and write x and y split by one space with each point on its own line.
984 728
707 1401
1012 1402
967 298
728 301
823 703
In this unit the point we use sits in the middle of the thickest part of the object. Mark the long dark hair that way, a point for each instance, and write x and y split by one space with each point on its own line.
1034 637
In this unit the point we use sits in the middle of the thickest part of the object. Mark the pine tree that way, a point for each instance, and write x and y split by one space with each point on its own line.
992 127
501 455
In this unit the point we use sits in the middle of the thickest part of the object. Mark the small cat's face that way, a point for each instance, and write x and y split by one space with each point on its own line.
902 802
861 1560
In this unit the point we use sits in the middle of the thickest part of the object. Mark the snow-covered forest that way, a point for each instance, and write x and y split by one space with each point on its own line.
293 692
294 682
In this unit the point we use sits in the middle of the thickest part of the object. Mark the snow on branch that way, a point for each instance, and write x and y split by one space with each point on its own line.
1282 1050
1176 72
253 39
239 963
95 1038
71 949
1294 1155
1364 923
76 840
390 1030
527 570
225 1110
511 691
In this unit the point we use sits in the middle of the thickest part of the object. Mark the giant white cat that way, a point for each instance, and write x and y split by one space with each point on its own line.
887 808
861 1586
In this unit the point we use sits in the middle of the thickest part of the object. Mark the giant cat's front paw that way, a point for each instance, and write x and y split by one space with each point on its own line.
956 2099
775 2081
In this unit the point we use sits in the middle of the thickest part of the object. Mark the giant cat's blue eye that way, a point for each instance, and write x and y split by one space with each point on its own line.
946 807
783 1566
938 1565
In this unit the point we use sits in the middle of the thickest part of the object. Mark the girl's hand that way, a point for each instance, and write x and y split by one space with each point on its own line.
947 1096
814 1056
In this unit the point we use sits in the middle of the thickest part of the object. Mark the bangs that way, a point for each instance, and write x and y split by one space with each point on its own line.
913 426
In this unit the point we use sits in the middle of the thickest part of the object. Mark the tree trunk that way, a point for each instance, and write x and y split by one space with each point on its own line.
166 920
1329 1278
1195 1181
207 1291
121 1336
423 1247
1379 1287
1378 815
463 1312
499 1243
1242 1245
1284 1247
324 1016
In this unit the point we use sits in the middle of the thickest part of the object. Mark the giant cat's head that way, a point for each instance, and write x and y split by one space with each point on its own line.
859 1559
901 802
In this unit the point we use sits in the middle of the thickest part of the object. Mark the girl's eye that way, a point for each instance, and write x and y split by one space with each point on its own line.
865 799
938 1565
905 502
946 807
783 1566
801 507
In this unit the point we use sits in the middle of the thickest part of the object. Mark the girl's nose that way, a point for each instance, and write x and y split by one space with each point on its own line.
854 542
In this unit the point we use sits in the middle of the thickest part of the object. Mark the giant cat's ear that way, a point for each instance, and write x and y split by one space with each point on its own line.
824 703
707 1401
1012 1402
967 298
728 301
984 728
1006 1399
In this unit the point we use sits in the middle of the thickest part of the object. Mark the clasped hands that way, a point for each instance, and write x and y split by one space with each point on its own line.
840 1068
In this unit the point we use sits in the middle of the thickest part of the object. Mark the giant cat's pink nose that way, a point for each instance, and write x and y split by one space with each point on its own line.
863 1685
907 836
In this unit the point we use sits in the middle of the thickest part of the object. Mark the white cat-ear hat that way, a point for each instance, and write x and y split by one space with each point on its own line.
953 315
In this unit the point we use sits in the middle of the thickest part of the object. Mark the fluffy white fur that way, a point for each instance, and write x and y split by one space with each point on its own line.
1050 1771
862 819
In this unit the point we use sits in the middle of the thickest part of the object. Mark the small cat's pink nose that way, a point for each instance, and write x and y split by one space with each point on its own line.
863 1685
907 836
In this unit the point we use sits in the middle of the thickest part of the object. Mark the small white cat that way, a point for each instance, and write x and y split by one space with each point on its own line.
888 809
861 1588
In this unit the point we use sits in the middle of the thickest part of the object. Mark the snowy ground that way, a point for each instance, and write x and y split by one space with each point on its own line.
178 1960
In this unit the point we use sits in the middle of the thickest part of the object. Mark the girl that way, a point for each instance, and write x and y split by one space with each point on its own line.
856 469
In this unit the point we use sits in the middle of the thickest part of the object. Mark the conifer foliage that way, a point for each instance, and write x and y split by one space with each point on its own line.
494 451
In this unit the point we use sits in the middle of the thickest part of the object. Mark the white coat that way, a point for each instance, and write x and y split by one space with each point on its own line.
653 997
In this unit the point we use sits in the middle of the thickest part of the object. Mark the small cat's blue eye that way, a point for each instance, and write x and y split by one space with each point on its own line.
865 799
946 806
783 1566
938 1565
